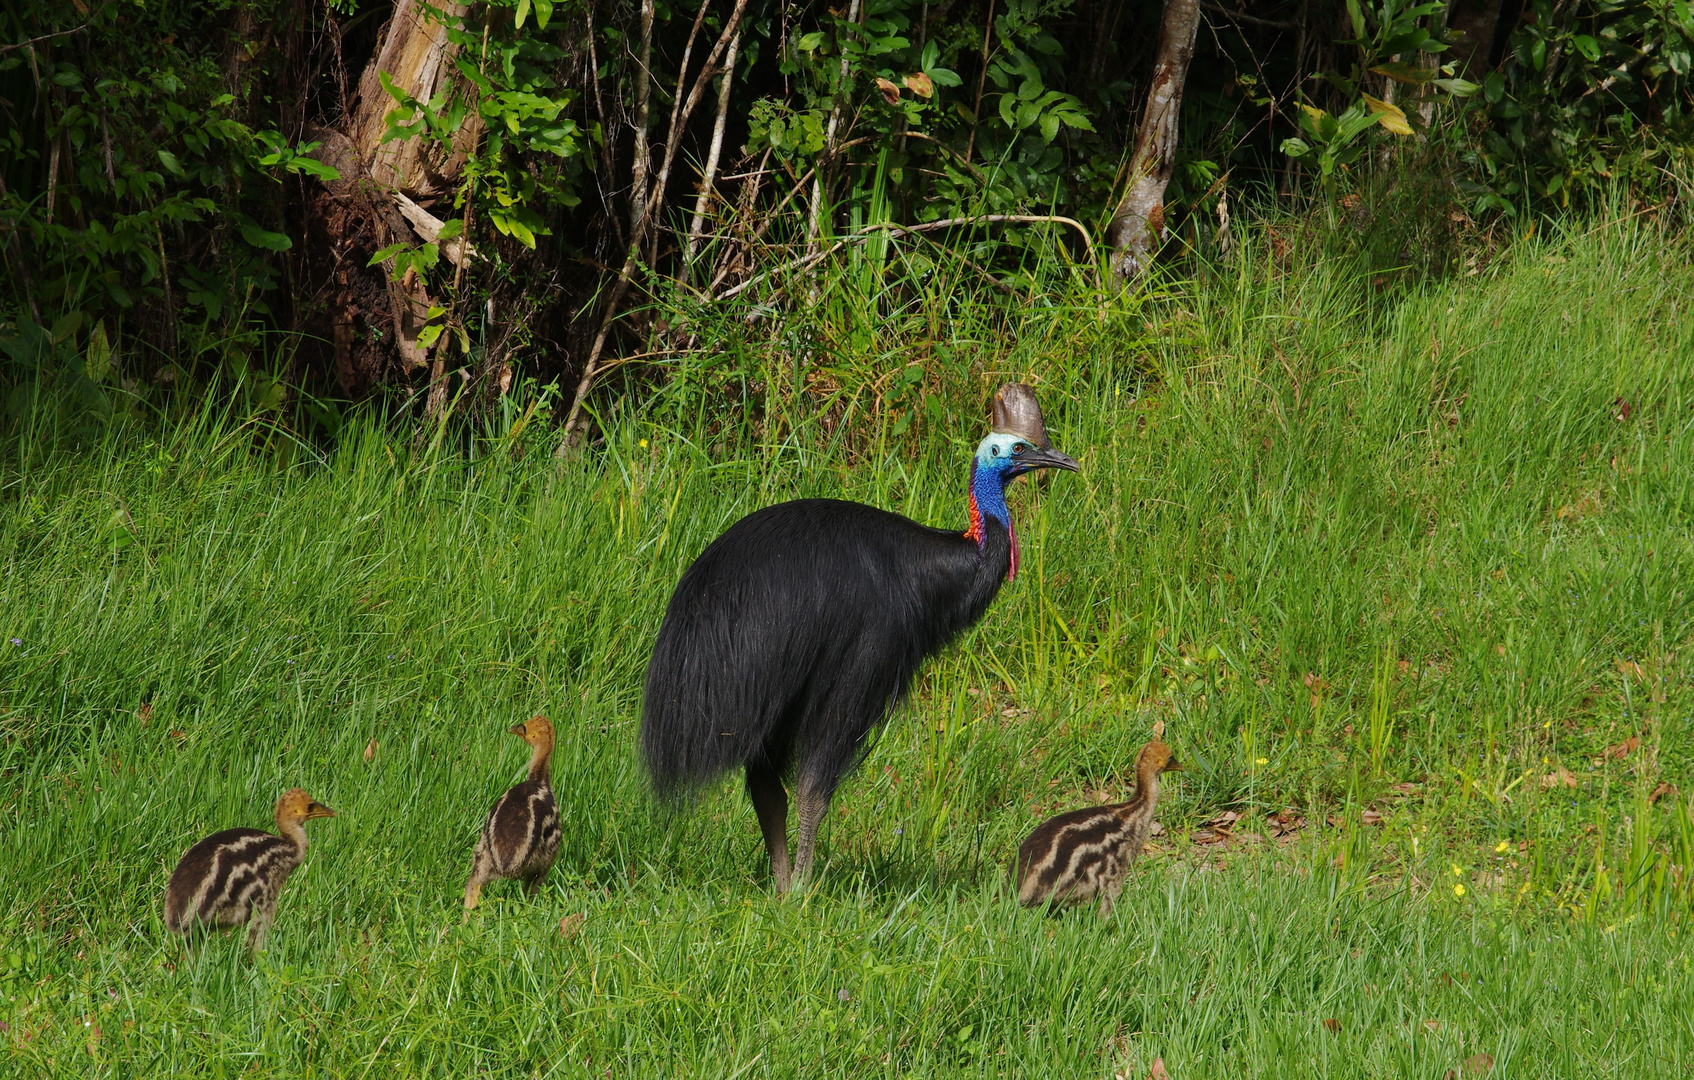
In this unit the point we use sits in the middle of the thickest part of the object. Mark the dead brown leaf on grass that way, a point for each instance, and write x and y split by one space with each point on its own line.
370 751
1631 668
1318 686
1475 1065
1623 749
1564 776
1664 788
1332 1024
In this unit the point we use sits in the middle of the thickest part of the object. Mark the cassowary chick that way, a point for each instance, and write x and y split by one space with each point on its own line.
1084 855
520 839
232 878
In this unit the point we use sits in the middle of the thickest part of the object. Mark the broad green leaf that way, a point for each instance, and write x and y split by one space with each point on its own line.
809 42
1358 18
451 229
171 164
262 238
435 312
1587 46
1406 73
1457 87
523 12
473 76
97 359
1296 148
66 326
1071 118
399 95
1049 127
386 253
943 76
427 336
316 168
543 12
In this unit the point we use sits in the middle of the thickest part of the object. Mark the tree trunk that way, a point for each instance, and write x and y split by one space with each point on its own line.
1477 21
1138 225
377 201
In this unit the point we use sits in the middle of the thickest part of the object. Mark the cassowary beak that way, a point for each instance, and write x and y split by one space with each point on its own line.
1038 458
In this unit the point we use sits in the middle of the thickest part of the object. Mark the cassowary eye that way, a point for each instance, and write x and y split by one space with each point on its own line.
1018 449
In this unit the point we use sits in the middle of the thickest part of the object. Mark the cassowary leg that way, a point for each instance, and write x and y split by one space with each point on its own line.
814 799
770 802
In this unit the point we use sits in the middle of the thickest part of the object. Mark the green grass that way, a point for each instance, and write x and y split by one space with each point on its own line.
1357 552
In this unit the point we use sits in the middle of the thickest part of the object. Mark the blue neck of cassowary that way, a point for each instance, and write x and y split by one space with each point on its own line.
988 502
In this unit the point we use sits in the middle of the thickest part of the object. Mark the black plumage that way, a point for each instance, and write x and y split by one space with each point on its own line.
233 877
800 628
520 837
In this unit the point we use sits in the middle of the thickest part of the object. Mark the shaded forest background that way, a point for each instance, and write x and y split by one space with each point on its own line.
523 209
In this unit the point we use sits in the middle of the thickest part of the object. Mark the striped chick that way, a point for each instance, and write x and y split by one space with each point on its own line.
520 839
232 878
1085 855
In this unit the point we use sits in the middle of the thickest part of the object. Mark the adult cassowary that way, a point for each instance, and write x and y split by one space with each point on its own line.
798 630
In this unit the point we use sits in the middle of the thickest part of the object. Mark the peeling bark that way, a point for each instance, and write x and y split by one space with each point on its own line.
1138 225
377 200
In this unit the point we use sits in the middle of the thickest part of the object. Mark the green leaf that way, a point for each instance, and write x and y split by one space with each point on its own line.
451 229
171 164
1049 127
523 12
261 238
941 76
1587 46
435 312
543 12
1358 17
1406 73
427 336
66 326
97 360
316 168
1296 148
1074 119
1456 87
809 42
399 95
386 253
473 76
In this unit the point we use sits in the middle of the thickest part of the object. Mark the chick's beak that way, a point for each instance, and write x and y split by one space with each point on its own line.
1038 458
1174 765
317 810
519 730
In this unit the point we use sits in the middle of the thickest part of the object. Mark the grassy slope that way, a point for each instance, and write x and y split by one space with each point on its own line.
1311 490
